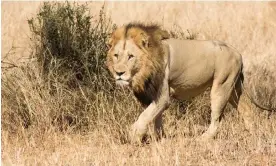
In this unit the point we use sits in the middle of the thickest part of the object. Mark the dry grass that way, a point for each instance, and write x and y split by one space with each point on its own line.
84 127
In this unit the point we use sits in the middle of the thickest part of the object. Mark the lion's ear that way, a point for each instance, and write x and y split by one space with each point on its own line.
145 43
162 34
144 40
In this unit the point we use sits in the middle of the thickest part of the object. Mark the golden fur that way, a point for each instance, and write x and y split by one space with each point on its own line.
148 38
157 67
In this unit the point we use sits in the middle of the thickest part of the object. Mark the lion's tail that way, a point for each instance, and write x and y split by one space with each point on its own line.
252 98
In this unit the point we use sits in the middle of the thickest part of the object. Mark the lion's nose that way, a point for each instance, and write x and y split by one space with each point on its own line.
120 73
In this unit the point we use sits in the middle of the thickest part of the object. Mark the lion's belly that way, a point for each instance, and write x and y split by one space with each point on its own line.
191 82
187 91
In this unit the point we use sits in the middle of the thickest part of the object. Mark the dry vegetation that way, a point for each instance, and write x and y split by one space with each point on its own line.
64 110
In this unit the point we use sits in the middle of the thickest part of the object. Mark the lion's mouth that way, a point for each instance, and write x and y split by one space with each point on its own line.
122 82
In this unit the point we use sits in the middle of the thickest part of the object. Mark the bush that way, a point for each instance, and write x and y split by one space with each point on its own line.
70 45
68 85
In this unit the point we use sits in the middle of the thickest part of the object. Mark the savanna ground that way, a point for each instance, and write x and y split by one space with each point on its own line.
53 114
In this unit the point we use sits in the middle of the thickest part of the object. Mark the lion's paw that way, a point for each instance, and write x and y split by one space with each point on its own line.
137 133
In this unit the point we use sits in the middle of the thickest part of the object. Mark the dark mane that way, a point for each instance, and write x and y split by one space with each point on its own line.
151 84
145 27
148 79
152 29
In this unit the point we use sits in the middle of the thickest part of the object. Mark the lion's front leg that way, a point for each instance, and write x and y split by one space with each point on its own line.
158 128
152 114
156 131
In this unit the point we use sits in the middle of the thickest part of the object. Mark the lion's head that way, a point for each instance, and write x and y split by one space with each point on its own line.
136 58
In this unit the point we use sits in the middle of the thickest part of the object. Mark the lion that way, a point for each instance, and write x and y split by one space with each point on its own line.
158 67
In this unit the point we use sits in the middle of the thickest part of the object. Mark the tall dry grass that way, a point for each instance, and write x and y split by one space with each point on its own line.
47 121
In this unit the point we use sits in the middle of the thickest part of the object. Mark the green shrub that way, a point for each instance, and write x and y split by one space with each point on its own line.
67 83
70 45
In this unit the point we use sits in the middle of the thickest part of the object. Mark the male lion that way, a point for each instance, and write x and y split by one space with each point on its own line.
157 67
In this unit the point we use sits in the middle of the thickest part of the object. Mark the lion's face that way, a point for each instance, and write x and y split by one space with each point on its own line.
135 56
125 61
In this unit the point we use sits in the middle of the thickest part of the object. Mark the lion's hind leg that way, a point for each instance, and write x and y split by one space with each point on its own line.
243 107
220 94
240 102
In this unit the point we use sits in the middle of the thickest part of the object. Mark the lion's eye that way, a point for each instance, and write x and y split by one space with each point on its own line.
130 56
116 55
